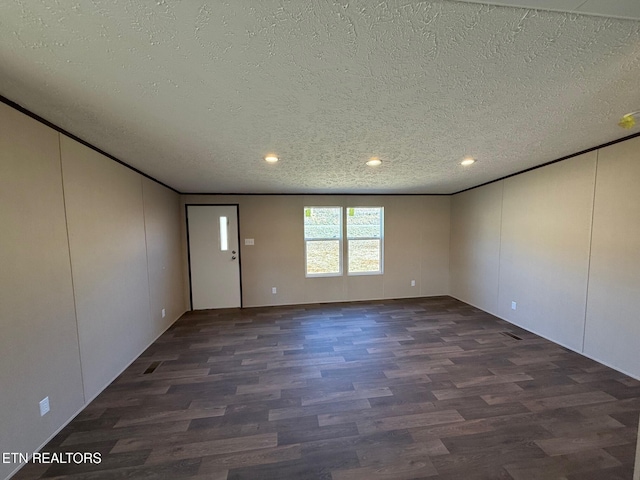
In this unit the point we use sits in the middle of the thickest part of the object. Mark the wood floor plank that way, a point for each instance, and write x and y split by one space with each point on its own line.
386 454
476 391
372 413
170 416
558 467
565 401
492 380
410 421
603 423
265 456
329 397
136 431
401 469
534 393
201 449
318 409
574 444
270 387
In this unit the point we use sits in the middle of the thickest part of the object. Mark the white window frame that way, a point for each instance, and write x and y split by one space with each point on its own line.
380 238
333 239
223 233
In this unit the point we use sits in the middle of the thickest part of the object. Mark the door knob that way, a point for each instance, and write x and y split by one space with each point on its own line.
233 258
233 251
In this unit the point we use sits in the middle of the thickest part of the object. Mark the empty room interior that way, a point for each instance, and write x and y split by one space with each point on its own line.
320 240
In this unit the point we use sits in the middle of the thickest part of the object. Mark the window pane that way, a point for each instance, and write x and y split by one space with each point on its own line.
364 256
364 222
323 256
322 222
224 234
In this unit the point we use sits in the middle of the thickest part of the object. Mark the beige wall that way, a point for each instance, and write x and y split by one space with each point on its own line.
544 252
613 320
416 248
162 222
108 258
476 218
90 254
568 252
38 339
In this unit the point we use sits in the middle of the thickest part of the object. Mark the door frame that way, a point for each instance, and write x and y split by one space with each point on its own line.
186 216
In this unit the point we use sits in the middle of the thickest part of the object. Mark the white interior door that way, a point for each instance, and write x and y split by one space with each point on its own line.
214 264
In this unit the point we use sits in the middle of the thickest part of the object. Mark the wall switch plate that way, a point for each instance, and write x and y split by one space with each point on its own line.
164 313
413 283
44 406
274 290
248 241
514 305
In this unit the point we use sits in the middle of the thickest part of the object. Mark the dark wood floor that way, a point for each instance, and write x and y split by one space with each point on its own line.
402 389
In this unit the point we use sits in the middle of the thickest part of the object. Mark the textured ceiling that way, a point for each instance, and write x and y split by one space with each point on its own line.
195 93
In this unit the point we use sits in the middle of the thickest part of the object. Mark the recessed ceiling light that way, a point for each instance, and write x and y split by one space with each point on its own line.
271 159
467 161
374 162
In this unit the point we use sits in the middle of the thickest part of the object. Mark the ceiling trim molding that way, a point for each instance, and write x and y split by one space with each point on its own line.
566 157
331 194
49 124
596 8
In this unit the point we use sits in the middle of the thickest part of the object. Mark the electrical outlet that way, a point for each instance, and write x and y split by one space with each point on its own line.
413 283
274 290
164 313
514 305
44 406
